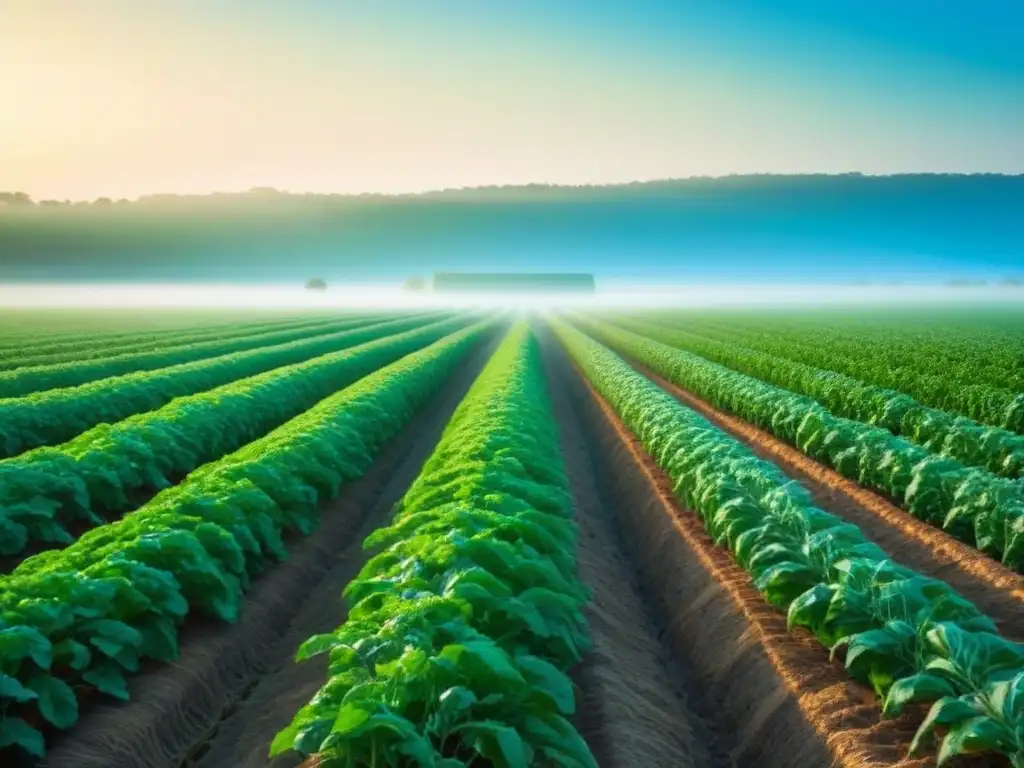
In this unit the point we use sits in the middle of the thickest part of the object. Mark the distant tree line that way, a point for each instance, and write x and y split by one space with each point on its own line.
23 200
972 220
754 182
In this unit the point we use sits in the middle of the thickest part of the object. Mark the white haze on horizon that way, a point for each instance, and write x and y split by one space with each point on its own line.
359 296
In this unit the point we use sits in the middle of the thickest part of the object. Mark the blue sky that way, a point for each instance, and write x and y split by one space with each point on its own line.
122 98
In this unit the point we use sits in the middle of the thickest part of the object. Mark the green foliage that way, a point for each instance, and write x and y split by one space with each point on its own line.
56 415
103 470
83 346
911 638
966 362
23 381
970 504
14 731
999 451
54 332
87 615
462 627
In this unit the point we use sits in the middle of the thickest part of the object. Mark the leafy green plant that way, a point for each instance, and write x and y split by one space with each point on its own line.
23 381
460 630
57 415
910 637
970 504
82 349
996 450
988 715
103 471
87 615
967 363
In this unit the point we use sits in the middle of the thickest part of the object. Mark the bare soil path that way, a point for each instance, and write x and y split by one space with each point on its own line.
639 707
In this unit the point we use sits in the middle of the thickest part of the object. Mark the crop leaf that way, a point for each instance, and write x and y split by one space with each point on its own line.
975 734
944 712
56 702
782 583
915 690
499 743
11 688
16 732
452 706
108 678
21 642
482 658
546 677
316 645
810 609
72 654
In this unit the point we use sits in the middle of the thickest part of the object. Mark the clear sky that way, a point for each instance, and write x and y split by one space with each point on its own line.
128 97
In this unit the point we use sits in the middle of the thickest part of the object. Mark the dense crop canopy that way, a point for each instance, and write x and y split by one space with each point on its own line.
33 354
461 629
999 451
51 331
56 415
22 381
911 638
101 471
971 363
88 614
973 505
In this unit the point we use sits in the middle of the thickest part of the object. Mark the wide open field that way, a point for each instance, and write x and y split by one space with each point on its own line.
644 539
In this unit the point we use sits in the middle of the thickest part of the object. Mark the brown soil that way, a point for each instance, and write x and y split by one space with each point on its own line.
779 697
234 686
995 589
637 705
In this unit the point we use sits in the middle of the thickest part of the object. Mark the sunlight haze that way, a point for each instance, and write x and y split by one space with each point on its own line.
120 99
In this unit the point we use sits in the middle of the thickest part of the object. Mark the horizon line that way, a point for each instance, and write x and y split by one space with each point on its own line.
423 192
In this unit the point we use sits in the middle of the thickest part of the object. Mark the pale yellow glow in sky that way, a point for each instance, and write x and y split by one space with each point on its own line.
116 98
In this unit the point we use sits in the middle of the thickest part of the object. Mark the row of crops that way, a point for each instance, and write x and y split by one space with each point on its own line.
35 378
109 468
975 506
909 637
178 466
461 629
80 329
999 451
81 618
968 362
39 353
52 416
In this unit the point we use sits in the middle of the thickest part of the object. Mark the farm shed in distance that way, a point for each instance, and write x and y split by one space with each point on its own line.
577 282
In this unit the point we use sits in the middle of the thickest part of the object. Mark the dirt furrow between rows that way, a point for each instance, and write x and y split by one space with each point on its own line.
995 589
234 686
636 708
776 694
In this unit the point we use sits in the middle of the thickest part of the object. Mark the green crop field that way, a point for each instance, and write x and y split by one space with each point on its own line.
476 538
